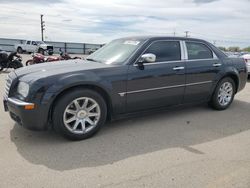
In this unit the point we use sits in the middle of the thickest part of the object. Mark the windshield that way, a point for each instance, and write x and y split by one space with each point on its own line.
40 42
116 52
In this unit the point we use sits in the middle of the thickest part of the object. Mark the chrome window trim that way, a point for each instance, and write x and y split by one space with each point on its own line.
191 41
122 94
161 62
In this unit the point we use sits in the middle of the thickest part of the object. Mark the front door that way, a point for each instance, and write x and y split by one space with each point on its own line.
157 84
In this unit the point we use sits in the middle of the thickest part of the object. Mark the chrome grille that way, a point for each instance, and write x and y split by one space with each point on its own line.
7 86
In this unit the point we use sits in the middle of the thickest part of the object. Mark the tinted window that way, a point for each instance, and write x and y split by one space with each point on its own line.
28 42
198 51
33 43
165 50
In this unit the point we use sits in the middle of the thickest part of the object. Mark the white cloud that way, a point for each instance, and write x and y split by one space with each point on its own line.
225 21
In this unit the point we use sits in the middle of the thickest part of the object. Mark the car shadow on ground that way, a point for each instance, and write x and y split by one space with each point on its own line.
178 127
6 71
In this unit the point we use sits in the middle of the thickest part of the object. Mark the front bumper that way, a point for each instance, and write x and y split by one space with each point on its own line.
35 119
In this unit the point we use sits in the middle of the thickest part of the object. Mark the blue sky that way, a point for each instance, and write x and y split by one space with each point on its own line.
223 22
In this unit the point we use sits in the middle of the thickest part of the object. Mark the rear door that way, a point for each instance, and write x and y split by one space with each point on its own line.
158 84
202 68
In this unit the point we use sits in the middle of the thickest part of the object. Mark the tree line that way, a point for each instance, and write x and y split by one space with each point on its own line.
235 49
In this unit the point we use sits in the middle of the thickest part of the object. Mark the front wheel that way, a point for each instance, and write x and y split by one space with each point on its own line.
79 114
29 62
16 64
224 94
1 67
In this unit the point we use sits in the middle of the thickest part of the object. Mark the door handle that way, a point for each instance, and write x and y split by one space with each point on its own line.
178 68
217 64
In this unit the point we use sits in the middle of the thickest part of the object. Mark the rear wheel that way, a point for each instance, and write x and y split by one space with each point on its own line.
41 51
79 114
19 50
224 94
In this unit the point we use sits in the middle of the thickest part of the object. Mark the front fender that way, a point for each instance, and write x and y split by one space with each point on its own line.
72 80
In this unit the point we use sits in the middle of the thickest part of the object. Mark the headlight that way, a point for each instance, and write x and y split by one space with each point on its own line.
23 89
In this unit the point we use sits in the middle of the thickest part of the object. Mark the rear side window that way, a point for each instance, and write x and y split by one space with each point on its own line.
28 42
198 51
165 50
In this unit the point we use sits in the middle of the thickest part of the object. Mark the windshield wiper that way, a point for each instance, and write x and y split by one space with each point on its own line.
90 59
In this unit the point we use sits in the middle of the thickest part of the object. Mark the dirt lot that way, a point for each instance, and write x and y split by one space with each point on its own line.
183 147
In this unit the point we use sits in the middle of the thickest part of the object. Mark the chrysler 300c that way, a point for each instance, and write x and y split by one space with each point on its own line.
126 76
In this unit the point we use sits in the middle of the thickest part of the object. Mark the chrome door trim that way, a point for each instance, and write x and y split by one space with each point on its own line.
122 94
159 63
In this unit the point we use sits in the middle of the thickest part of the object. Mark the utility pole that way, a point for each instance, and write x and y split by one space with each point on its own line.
42 26
174 32
187 33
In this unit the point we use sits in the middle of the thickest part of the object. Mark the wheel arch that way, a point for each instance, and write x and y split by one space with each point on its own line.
96 88
234 77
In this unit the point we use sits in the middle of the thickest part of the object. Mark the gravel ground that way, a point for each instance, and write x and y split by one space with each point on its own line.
183 147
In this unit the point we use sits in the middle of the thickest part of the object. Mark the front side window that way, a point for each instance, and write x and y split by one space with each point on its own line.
165 50
198 51
28 42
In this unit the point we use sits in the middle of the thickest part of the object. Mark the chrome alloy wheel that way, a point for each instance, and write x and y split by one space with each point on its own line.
81 115
225 93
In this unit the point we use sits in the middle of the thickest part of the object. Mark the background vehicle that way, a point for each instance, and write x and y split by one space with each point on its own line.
10 61
126 76
40 58
246 57
92 50
34 46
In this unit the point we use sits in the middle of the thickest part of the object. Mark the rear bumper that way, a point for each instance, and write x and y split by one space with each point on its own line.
35 119
248 68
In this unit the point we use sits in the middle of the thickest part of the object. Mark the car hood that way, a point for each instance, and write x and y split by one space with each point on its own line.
38 71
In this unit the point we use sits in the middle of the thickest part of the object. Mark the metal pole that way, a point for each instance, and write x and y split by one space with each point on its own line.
42 27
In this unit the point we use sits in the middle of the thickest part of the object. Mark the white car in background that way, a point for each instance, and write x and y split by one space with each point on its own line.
246 57
34 46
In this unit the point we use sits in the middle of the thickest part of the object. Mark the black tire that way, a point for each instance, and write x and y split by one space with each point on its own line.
1 68
62 104
41 51
214 103
16 64
19 50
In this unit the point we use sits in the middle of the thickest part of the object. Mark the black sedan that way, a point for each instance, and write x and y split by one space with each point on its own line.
126 76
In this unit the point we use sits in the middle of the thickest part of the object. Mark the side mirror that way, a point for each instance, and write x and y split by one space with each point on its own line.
148 58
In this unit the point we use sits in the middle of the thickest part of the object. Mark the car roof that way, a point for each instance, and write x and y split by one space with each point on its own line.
150 37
